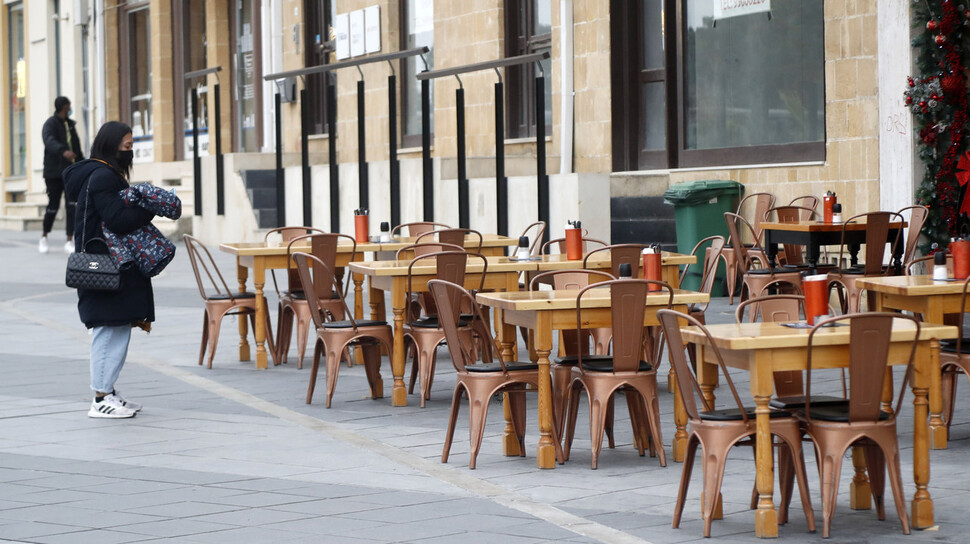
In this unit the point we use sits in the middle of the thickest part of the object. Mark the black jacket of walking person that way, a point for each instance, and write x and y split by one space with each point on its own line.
96 185
55 144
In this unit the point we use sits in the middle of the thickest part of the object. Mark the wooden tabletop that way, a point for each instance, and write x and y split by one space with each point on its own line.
911 285
602 260
245 249
564 299
749 336
488 240
427 266
820 226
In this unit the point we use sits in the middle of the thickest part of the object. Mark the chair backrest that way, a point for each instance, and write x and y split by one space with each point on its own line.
535 232
324 247
712 254
775 308
450 298
453 236
413 250
316 275
620 254
877 233
807 201
207 274
737 227
450 265
417 228
924 265
761 202
286 236
917 217
869 335
792 214
570 279
627 305
560 243
687 385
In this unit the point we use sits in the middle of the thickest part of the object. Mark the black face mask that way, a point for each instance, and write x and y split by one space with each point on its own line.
125 158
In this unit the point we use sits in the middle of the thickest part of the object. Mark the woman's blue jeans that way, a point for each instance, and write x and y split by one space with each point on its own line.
109 348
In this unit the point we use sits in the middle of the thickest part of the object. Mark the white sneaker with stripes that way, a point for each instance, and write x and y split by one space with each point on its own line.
130 404
110 407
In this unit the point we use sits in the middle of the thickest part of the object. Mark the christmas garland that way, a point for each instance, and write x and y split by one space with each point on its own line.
937 96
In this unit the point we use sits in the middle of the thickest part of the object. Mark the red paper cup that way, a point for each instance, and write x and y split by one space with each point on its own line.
574 244
816 297
652 269
361 228
961 258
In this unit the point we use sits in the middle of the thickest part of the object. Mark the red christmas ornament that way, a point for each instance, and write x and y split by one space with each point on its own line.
952 84
909 100
940 39
932 25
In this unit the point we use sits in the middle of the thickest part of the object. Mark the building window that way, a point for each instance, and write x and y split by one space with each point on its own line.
417 30
319 20
752 85
136 78
188 20
18 90
528 29
246 74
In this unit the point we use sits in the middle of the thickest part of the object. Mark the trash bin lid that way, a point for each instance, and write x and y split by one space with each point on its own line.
690 193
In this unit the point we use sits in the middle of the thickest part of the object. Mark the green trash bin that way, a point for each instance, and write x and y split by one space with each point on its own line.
699 208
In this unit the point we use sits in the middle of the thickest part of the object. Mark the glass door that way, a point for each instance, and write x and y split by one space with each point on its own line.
246 71
18 91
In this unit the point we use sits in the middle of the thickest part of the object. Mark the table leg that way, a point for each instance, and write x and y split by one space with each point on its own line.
259 279
860 492
921 515
510 443
813 253
242 274
358 295
766 517
546 452
399 393
854 254
771 250
938 434
680 418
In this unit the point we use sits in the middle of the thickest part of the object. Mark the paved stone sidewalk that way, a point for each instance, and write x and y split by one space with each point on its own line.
233 454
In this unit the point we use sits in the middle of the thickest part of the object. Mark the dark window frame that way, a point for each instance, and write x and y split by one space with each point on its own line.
627 79
408 140
318 12
124 46
520 80
257 72
181 106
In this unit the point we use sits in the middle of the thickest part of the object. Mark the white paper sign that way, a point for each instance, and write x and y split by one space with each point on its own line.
356 33
422 16
733 8
342 30
372 29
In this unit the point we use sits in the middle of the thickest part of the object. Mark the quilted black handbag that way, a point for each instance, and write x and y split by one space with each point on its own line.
96 271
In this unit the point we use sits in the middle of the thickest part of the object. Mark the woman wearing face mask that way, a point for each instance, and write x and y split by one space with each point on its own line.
95 184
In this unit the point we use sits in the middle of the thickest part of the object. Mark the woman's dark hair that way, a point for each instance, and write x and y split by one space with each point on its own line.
107 142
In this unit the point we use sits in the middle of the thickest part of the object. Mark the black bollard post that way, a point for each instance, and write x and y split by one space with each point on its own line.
463 212
501 183
196 161
541 178
362 183
305 163
392 150
332 145
220 167
427 167
280 175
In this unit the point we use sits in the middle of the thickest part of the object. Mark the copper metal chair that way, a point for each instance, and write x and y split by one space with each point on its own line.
452 236
335 336
806 201
751 260
917 217
560 244
569 341
625 370
718 430
791 254
535 232
417 228
861 421
954 360
762 202
480 381
712 255
877 234
293 302
220 301
423 333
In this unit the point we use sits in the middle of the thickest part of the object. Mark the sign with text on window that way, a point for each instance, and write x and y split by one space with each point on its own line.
733 8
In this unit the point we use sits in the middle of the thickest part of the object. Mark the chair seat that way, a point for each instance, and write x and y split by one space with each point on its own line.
431 322
606 365
497 367
573 360
767 271
346 324
950 346
227 296
838 413
798 402
859 270
301 295
734 414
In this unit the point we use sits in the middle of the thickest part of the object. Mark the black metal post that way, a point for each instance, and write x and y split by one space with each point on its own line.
427 167
332 144
501 183
362 183
280 175
305 156
392 149
462 180
541 178
196 161
220 167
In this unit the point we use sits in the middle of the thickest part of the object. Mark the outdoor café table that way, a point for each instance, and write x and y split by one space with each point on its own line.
764 348
815 234
670 264
545 311
502 274
932 300
260 257
492 244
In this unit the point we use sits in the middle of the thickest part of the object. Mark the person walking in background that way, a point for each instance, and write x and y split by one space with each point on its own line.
62 148
96 185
